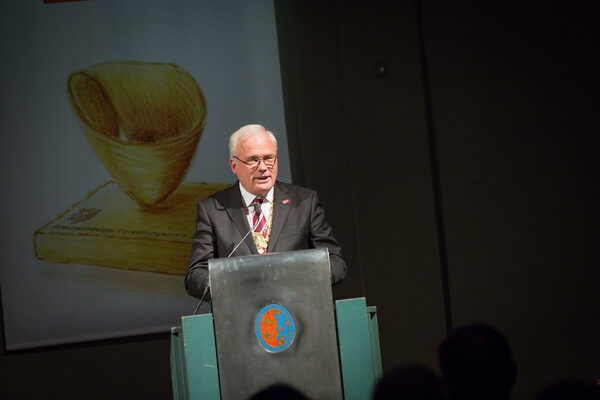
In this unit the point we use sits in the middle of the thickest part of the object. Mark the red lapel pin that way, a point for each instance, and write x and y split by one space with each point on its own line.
285 201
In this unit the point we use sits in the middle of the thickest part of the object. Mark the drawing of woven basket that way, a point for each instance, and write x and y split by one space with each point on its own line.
143 121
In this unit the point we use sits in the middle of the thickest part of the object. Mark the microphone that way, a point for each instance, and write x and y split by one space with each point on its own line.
257 209
201 300
257 212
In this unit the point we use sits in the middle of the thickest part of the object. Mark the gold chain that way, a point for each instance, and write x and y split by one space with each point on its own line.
261 241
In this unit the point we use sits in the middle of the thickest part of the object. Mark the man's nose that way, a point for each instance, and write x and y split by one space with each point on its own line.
262 165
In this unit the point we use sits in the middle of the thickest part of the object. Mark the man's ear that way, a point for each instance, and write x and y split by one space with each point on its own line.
232 164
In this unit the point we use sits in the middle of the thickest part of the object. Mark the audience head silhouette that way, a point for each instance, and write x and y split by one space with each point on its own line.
571 390
477 364
279 391
411 382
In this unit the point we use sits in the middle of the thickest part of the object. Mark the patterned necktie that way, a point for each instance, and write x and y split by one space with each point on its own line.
260 233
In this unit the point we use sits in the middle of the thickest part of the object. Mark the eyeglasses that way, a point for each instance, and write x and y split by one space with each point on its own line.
254 162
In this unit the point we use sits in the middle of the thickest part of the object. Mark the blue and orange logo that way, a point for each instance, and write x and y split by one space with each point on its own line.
275 328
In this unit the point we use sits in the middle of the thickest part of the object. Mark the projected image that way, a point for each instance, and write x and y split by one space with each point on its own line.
144 121
117 116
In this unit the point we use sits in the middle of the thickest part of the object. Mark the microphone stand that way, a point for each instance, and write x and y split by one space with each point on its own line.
257 212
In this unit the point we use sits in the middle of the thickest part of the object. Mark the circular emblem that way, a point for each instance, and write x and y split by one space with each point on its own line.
275 328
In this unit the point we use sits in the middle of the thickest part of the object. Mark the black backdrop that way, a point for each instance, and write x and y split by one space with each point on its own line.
453 144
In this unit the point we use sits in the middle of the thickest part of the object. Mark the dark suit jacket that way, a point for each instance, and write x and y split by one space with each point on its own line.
298 223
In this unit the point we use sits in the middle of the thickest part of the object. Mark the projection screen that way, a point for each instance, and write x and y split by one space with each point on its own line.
115 117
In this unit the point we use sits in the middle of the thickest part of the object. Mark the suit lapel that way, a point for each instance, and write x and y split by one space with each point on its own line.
281 209
233 204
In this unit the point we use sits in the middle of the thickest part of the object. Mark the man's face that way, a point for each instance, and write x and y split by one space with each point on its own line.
260 179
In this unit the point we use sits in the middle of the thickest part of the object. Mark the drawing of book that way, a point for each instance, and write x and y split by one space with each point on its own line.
108 228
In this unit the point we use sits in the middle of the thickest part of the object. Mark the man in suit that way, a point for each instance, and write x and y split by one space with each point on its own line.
283 217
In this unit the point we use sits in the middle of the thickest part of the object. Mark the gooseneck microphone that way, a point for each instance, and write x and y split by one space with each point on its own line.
257 212
201 300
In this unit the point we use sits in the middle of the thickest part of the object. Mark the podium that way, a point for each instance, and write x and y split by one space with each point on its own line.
274 322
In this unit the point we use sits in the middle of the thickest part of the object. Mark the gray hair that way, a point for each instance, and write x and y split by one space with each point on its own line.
245 132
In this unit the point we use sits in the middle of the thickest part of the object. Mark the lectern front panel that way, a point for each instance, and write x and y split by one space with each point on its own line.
274 323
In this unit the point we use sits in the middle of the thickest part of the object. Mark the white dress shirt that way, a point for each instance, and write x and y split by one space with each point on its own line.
265 207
